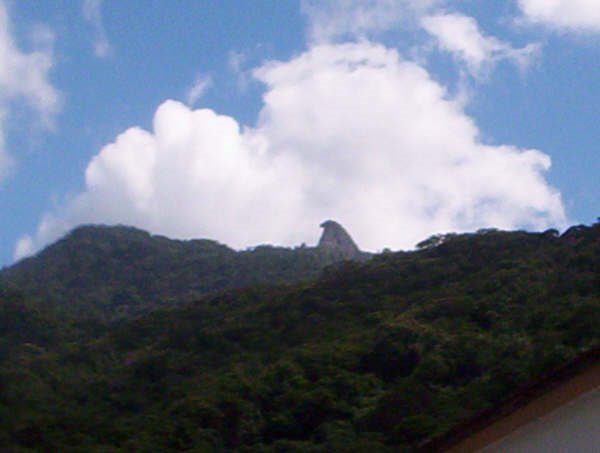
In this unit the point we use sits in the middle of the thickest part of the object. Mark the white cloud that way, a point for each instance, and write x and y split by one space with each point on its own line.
197 90
24 79
235 61
92 13
329 20
581 15
460 35
24 247
350 132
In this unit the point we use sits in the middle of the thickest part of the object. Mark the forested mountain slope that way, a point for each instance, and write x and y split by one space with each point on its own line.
373 356
122 271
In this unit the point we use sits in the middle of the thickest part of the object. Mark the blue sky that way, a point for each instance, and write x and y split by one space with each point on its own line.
251 122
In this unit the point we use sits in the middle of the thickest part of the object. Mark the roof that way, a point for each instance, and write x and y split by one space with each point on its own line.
537 398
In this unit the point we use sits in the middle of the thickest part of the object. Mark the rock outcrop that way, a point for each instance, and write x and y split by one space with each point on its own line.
336 240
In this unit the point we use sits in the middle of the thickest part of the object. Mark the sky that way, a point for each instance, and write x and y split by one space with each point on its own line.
251 122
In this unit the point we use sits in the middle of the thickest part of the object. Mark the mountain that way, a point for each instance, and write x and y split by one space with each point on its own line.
378 355
337 241
118 271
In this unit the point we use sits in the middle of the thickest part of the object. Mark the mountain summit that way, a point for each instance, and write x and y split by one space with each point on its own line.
337 240
121 272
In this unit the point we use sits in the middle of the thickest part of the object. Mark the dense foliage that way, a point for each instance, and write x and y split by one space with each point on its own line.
117 272
374 356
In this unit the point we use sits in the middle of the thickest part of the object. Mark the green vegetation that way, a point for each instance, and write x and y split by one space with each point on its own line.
120 272
371 356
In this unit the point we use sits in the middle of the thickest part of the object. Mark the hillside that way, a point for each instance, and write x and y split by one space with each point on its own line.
121 271
372 356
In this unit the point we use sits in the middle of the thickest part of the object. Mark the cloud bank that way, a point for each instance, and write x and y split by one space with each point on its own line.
573 15
24 80
351 132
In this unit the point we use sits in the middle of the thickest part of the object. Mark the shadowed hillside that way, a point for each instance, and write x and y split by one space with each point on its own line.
121 271
372 356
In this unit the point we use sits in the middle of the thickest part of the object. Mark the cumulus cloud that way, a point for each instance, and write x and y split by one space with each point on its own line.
461 36
583 15
24 79
332 19
351 132
198 88
92 13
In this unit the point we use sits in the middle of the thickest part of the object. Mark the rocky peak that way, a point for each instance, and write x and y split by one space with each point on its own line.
337 240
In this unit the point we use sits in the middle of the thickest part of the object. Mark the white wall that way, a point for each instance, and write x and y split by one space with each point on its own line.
574 427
